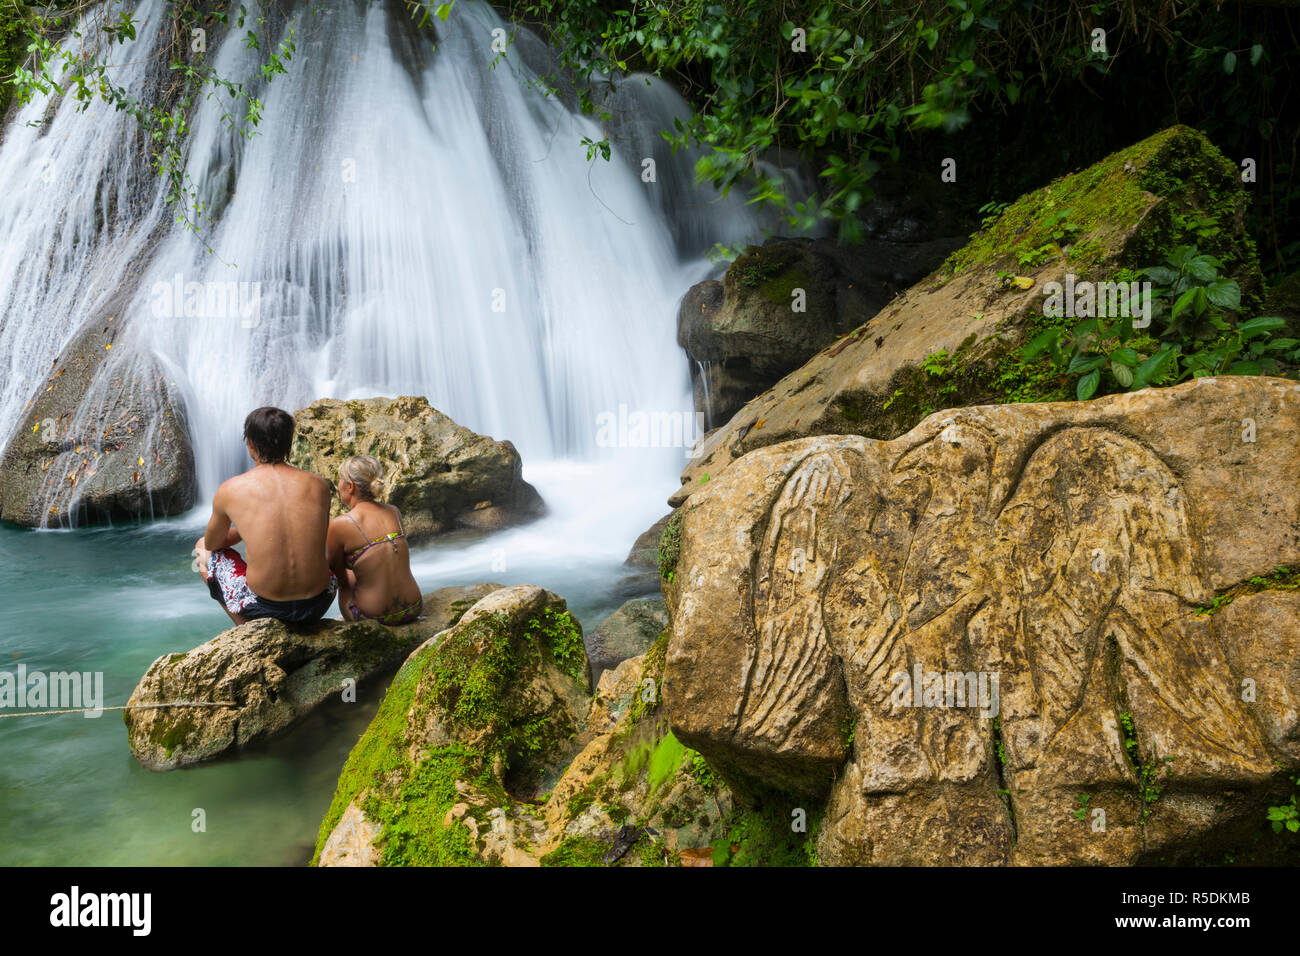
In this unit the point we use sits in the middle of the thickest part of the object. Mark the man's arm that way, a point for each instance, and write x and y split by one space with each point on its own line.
220 533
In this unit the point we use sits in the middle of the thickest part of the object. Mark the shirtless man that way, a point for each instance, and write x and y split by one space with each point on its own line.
282 516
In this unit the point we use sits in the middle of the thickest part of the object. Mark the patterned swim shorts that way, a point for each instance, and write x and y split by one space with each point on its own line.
228 584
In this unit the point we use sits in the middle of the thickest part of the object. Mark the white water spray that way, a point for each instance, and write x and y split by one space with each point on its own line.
413 222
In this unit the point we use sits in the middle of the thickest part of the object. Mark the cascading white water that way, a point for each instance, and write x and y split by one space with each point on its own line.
403 222
76 206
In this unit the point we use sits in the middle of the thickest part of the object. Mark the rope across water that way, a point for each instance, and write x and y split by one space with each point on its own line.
83 710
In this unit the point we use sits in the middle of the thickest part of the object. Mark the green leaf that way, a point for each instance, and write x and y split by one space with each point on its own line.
1225 293
1162 275
1256 53
1088 385
1183 302
1042 340
1127 357
1086 362
1245 368
1262 323
1152 369
1229 62
1123 374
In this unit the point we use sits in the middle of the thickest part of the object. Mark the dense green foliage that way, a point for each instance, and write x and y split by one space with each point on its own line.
71 52
1015 91
1200 338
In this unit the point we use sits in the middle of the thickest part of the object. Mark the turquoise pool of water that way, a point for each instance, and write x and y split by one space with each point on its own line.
113 600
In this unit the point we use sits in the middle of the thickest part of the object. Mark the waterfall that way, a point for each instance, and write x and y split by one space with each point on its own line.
704 367
78 206
405 220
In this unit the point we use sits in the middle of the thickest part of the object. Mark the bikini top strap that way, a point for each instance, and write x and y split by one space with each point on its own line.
348 515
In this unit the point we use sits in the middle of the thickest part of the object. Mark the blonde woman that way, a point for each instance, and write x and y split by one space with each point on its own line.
368 552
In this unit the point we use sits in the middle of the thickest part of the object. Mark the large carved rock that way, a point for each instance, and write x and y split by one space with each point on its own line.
272 675
952 339
1061 549
440 474
105 437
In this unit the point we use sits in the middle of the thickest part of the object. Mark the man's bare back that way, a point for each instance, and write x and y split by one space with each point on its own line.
282 516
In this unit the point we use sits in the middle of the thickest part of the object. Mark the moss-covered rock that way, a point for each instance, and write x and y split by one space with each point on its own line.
474 726
954 339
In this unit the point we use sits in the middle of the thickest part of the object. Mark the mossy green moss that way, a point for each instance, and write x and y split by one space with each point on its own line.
664 760
649 692
670 546
758 265
1279 579
984 371
175 734
773 272
576 851
472 678
1088 210
653 851
413 830
380 754
770 830
561 634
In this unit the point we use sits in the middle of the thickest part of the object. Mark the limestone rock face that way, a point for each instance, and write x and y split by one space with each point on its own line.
966 635
440 473
880 380
628 632
273 674
780 303
105 437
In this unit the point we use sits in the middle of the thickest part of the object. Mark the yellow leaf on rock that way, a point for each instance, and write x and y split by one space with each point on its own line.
1023 282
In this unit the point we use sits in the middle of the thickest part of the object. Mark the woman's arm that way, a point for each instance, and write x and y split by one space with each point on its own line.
334 549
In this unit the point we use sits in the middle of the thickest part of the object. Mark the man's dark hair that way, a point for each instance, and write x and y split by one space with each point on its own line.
270 430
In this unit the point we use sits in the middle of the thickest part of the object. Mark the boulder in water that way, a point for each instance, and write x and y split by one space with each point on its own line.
782 302
642 561
977 637
628 632
440 474
106 437
487 712
629 793
273 674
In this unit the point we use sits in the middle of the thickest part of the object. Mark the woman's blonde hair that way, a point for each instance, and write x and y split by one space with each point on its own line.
366 474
